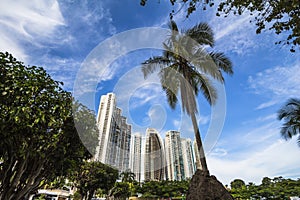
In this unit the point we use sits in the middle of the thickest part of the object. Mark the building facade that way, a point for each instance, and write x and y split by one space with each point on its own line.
114 134
188 157
174 156
154 160
136 156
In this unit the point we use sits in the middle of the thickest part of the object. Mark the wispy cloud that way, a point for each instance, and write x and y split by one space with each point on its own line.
277 84
267 118
258 164
204 119
23 22
234 33
52 34
254 150
60 69
151 93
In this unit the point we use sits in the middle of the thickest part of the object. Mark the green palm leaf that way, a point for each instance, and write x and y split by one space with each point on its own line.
290 114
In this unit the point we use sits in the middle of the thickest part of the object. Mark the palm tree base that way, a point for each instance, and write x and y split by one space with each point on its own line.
206 187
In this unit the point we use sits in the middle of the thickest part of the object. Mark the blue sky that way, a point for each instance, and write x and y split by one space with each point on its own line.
67 38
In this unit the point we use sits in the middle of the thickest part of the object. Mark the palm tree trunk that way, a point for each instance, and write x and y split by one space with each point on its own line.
199 144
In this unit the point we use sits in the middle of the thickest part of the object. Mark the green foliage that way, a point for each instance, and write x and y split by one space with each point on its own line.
127 176
279 15
93 176
121 190
276 188
77 196
84 122
237 184
126 188
290 114
39 143
154 189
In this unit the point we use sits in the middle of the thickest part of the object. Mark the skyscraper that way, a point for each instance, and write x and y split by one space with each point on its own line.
136 156
154 156
174 158
114 134
188 157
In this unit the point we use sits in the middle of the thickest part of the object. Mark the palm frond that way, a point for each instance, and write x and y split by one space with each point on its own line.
206 87
290 113
169 77
291 109
169 83
171 97
222 61
153 64
204 63
294 102
289 130
202 33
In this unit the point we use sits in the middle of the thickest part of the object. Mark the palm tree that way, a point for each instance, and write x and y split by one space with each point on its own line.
186 67
290 113
127 176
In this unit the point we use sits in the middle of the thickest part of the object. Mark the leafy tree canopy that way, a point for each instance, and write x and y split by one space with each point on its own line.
237 183
38 138
276 188
93 176
278 15
164 189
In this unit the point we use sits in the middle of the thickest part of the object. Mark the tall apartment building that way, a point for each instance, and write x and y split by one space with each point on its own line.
174 156
154 163
136 156
114 134
188 157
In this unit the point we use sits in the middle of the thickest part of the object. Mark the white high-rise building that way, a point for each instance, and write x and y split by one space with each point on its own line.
104 120
154 163
114 134
174 158
188 157
136 156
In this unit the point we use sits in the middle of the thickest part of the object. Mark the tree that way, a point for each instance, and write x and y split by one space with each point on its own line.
164 189
71 153
38 138
93 176
276 188
121 190
282 16
237 184
290 114
127 176
185 67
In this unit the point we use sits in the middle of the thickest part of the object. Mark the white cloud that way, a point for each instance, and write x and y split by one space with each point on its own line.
22 21
231 25
254 150
204 119
267 118
278 84
279 159
158 116
266 104
234 33
150 93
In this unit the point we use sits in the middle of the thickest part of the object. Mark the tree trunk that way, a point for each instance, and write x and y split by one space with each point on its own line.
199 144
